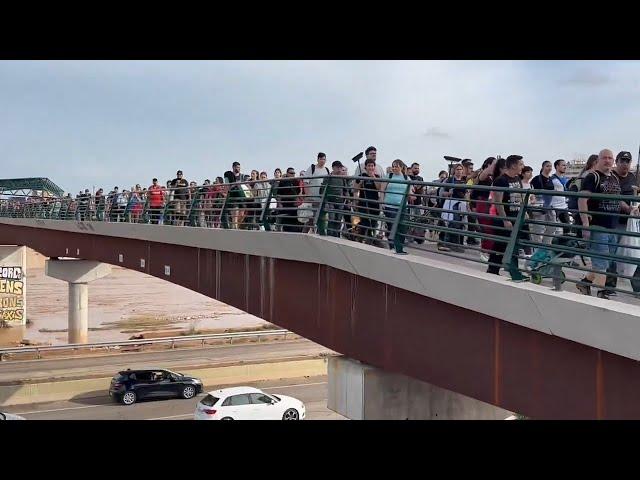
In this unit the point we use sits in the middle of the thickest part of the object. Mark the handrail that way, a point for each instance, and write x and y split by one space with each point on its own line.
123 343
340 206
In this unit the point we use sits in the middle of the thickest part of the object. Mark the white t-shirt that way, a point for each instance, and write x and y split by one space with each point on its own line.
558 201
313 184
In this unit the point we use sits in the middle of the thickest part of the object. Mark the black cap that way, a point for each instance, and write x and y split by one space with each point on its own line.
467 161
623 157
514 157
337 163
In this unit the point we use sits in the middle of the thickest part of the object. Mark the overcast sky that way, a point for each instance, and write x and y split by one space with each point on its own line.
106 123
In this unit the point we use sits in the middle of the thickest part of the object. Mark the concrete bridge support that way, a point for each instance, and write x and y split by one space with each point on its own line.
362 392
78 273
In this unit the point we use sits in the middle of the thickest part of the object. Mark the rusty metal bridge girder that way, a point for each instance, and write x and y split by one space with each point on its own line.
516 368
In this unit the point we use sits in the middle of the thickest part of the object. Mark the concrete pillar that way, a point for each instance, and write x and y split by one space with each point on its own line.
78 312
78 273
362 392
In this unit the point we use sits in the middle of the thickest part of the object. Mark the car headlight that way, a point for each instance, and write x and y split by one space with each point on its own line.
197 380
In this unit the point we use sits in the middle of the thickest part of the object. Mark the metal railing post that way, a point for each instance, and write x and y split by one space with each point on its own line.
127 210
264 218
320 222
190 219
167 204
144 216
508 262
224 223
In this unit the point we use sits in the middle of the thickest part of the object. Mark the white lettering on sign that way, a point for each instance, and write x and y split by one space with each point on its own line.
121 258
167 270
12 273
142 263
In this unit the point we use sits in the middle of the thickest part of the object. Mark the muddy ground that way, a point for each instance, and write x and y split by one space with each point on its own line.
121 305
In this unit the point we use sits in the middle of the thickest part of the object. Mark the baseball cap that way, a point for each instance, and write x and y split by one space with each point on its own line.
467 161
623 157
337 163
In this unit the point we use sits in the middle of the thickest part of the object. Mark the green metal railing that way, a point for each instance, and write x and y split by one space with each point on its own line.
432 217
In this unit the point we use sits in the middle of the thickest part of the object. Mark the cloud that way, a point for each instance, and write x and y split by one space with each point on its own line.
588 78
435 132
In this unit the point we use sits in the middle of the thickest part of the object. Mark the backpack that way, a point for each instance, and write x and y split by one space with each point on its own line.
405 177
313 169
564 185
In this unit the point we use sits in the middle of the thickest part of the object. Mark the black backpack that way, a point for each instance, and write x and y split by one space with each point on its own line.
405 177
313 169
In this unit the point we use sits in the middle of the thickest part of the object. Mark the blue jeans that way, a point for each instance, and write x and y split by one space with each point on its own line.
609 246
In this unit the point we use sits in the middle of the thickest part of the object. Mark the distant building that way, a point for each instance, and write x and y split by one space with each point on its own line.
574 167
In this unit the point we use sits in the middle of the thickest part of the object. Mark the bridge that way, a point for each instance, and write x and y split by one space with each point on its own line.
521 347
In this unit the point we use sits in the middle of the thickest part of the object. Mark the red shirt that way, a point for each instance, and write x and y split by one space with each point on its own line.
156 196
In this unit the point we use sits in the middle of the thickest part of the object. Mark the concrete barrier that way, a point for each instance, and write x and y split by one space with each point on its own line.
96 387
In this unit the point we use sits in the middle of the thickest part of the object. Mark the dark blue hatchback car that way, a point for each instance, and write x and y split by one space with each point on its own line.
130 386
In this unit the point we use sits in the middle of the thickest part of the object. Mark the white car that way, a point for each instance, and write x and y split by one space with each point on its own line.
248 403
10 416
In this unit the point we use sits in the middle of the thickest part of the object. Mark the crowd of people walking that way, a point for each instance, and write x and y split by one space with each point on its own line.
463 208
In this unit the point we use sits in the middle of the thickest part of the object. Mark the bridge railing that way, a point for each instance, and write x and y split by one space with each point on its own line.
171 341
533 234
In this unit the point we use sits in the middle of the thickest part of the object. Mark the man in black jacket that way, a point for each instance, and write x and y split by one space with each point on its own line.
180 188
287 192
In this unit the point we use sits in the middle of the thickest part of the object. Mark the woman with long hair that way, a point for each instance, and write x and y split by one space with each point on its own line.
540 206
481 200
393 201
574 185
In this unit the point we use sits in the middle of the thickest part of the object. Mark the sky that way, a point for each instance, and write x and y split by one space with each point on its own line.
87 124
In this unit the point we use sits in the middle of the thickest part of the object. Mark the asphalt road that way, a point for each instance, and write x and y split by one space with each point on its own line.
312 391
107 365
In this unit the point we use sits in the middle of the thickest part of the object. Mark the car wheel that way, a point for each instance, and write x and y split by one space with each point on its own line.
188 392
226 418
129 398
291 414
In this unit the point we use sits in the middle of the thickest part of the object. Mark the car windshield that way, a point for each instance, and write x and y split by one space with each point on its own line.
120 377
2 416
209 401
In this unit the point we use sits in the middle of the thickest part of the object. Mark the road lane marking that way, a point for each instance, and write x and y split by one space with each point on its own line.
61 409
296 385
172 416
